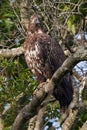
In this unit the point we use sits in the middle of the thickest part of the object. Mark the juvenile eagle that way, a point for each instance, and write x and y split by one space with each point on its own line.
44 56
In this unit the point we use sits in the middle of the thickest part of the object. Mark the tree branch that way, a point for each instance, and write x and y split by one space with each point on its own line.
70 119
84 127
31 124
39 120
11 52
75 114
79 55
31 109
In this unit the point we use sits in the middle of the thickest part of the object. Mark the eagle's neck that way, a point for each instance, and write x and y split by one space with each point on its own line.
40 31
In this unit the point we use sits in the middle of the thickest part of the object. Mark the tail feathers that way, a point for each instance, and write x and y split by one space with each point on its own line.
64 93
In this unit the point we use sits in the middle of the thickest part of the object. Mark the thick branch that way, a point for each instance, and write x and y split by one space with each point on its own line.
39 121
31 109
11 52
70 120
74 115
79 55
84 127
32 123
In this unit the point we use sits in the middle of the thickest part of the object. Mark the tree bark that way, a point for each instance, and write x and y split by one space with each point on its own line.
11 52
39 121
32 123
1 124
84 127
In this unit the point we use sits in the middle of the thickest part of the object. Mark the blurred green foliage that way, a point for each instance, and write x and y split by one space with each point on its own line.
15 79
10 28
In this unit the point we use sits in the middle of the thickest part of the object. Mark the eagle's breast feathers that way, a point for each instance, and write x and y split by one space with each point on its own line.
36 56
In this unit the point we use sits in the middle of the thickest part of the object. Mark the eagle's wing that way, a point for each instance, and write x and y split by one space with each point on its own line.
55 57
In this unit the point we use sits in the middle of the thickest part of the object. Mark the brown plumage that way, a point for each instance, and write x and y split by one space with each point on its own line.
44 56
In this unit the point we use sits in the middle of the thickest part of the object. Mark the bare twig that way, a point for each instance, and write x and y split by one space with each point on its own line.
24 13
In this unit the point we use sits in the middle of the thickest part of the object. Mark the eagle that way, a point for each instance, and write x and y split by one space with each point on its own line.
44 56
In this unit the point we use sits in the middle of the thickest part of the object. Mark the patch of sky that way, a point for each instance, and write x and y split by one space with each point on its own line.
54 123
79 36
7 106
81 67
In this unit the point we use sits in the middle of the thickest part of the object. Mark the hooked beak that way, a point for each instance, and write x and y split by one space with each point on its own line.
36 21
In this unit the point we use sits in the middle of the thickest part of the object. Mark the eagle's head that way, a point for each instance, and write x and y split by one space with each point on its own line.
35 23
35 19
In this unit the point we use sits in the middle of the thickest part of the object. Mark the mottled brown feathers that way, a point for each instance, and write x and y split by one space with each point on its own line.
44 56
